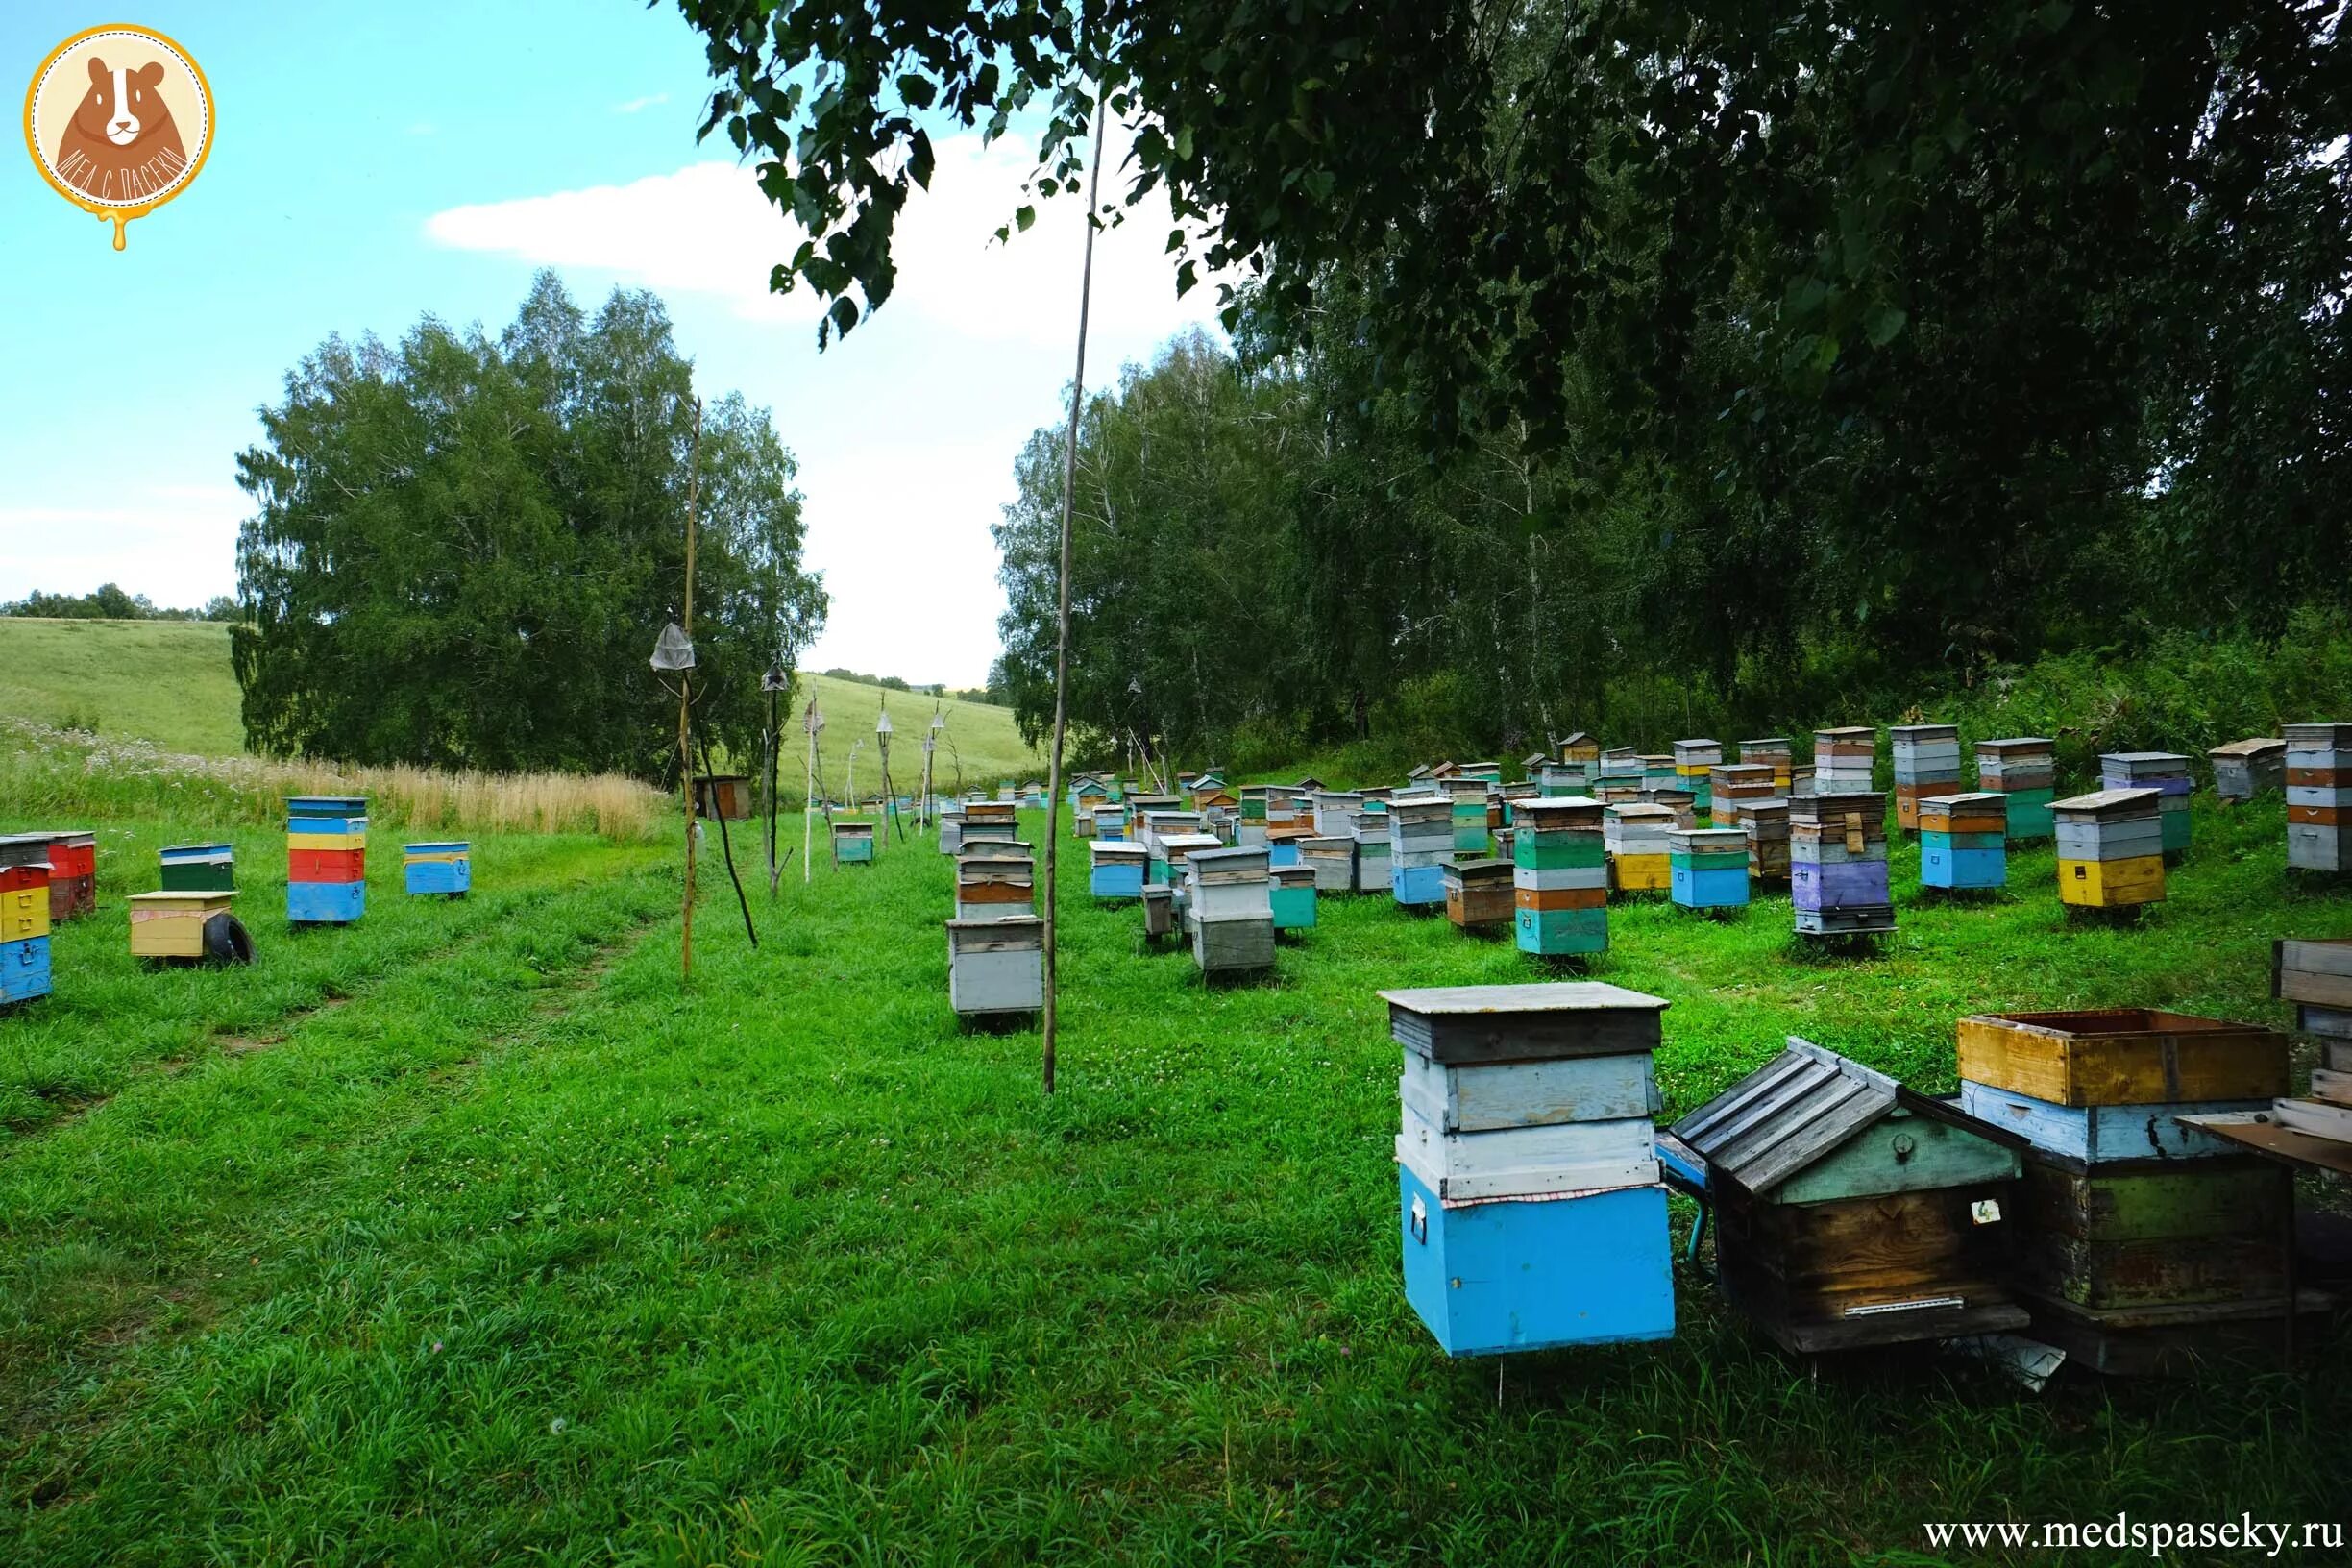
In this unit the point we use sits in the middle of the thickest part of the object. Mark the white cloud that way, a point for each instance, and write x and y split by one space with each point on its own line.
179 547
635 104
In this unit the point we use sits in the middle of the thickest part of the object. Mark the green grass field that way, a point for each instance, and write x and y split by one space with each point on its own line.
471 1235
169 682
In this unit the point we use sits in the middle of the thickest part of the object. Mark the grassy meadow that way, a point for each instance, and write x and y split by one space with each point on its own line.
471 1233
168 683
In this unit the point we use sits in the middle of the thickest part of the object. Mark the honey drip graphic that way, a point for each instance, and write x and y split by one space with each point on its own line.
119 120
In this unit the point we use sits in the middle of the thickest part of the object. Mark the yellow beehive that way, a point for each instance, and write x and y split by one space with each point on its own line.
326 840
171 924
24 913
2109 884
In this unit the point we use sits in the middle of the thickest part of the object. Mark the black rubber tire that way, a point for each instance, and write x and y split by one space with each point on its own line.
227 942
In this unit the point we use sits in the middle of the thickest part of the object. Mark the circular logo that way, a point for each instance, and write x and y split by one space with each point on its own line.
119 120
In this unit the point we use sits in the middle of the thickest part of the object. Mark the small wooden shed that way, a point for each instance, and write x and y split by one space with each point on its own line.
726 795
1854 1211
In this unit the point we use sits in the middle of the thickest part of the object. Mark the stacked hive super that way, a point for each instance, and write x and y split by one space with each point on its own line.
1160 824
1230 910
1963 841
1116 870
1479 893
1468 797
1658 774
24 917
1837 863
1253 828
2246 768
1771 752
2136 1236
1617 778
2320 798
1290 893
1766 823
443 867
1708 867
2166 772
73 873
1843 759
1110 824
1695 765
996 942
326 859
1420 842
198 867
853 843
1578 769
2024 768
1926 762
951 827
995 879
2110 850
1527 1167
1371 835
2316 977
989 820
1560 878
1639 856
1330 858
1736 787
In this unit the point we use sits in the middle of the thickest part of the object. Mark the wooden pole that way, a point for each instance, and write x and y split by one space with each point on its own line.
1069 493
808 801
693 485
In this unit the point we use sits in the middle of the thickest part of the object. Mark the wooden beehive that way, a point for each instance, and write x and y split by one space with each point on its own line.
199 868
2024 768
2131 1223
2166 772
444 866
1635 835
996 967
2110 848
1963 841
2246 768
1478 893
2320 798
1843 759
1420 842
326 859
1735 786
1231 913
1530 1210
725 795
73 873
1290 896
1560 878
1771 752
853 843
1695 765
1116 870
172 925
1927 760
994 880
1852 1211
1765 822
2316 974
1837 863
1707 868
25 968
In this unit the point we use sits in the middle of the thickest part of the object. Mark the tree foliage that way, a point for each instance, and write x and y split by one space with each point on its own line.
110 601
463 547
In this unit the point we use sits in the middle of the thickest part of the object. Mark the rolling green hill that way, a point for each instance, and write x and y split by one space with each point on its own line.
169 682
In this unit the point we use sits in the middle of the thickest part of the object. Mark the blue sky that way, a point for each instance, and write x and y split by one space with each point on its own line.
376 164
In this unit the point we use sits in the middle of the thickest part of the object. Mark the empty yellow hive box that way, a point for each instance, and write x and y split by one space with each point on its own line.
171 924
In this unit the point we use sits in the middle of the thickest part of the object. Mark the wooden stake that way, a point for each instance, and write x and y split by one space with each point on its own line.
693 486
1069 493
808 801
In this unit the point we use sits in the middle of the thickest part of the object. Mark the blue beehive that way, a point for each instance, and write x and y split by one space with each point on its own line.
1420 842
1117 868
1708 867
1528 1187
445 867
1963 841
326 859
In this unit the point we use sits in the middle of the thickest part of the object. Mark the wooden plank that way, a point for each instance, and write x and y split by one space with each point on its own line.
2126 1056
1509 1095
2314 1118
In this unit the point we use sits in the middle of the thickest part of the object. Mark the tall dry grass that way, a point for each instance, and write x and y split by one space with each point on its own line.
45 772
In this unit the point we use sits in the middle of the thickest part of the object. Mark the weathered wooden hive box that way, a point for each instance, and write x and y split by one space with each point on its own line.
1926 761
1159 912
1529 1210
723 795
994 820
2246 768
1708 867
996 966
73 873
853 843
326 859
2316 977
2024 768
1371 836
1559 780
1334 812
1116 870
995 881
167 924
1467 815
1290 895
1843 759
1737 785
1179 848
1231 913
1771 752
1852 1212
1765 822
1680 803
2320 798
1478 894
2166 772
1331 858
1086 793
1964 840
25 968
1618 776
1158 824
1420 842
1281 806
1560 878
198 867
1253 806
2110 848
2131 1224
1634 834
441 865
1837 863
950 826
1695 765
1110 824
